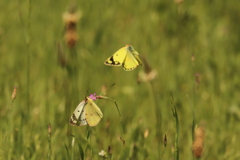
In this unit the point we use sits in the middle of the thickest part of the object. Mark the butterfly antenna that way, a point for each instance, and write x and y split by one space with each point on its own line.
82 93
86 94
122 42
105 89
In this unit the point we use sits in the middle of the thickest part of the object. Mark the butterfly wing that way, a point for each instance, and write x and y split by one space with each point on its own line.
136 55
78 116
93 114
117 58
132 59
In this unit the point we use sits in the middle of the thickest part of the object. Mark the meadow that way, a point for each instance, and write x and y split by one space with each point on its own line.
193 46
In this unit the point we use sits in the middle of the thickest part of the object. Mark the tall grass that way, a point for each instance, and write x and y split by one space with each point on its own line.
26 26
167 32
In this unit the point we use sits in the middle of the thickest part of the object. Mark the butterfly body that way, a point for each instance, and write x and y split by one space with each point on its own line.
126 57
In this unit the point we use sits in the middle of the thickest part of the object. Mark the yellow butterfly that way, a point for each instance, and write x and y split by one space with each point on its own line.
87 112
126 57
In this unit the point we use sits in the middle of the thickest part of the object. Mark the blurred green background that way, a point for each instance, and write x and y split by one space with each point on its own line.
168 33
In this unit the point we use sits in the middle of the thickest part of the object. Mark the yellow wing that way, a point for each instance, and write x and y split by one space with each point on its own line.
117 58
132 59
93 114
78 116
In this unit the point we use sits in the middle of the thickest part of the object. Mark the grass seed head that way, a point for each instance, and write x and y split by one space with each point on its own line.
198 143
70 20
14 93
193 58
165 140
178 1
71 38
109 150
146 133
149 74
197 78
49 129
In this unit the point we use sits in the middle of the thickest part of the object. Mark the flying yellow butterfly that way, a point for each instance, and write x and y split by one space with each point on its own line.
87 112
126 57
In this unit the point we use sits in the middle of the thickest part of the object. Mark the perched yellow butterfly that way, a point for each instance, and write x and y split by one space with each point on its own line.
87 112
126 57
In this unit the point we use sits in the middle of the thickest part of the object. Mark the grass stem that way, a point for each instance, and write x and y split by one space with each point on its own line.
158 117
26 31
176 121
49 141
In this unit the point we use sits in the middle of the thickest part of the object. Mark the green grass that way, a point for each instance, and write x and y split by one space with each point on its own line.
166 33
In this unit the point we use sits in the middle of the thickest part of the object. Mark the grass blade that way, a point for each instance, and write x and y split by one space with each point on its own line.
175 116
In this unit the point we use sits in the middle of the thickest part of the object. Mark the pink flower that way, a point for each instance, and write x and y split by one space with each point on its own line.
93 96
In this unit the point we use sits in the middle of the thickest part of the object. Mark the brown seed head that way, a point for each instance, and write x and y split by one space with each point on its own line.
71 38
146 133
107 124
193 58
149 74
147 67
197 77
70 20
49 129
165 140
178 1
109 150
199 132
198 143
14 93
